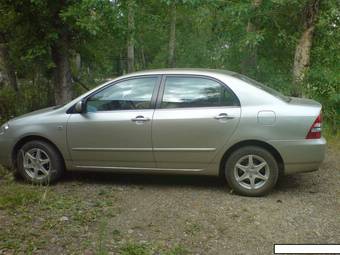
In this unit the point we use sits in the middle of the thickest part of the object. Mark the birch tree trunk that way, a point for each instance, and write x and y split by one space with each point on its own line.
131 37
303 48
172 39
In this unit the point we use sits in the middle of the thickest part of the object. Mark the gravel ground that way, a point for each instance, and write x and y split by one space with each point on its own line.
143 214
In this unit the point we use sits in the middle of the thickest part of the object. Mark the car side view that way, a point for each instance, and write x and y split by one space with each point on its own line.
181 121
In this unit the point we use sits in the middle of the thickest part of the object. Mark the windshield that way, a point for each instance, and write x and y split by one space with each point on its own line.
263 87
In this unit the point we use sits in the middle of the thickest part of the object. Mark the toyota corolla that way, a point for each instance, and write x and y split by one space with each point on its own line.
181 121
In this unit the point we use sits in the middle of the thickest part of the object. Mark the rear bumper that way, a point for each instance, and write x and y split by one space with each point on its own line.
301 155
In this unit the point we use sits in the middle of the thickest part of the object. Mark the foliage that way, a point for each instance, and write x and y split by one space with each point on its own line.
323 81
209 34
33 96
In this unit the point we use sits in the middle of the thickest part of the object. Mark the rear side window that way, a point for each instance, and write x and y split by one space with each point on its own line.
185 92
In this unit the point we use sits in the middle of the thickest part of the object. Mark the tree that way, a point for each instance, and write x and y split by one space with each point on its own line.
249 62
131 36
41 39
303 48
172 37
60 56
6 27
7 63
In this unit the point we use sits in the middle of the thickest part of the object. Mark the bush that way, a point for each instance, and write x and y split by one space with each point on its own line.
31 97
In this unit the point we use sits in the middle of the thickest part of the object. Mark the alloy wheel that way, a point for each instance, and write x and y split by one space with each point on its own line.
37 163
251 172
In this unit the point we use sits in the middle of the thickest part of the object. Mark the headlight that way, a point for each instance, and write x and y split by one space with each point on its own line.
4 128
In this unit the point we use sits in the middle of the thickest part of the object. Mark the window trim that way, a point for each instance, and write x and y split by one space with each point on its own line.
153 100
162 89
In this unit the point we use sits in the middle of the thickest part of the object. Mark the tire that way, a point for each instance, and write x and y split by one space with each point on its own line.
38 162
251 171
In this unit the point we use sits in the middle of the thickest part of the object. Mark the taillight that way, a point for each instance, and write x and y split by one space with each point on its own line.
315 129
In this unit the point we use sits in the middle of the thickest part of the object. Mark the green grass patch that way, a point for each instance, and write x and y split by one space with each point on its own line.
149 249
33 216
18 195
333 139
136 249
177 250
192 228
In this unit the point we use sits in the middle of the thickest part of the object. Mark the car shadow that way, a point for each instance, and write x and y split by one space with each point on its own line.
146 180
294 183
290 183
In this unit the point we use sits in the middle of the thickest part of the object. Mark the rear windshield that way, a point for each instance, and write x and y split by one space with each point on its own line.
263 87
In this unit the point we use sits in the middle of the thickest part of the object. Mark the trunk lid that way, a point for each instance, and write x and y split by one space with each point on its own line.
304 102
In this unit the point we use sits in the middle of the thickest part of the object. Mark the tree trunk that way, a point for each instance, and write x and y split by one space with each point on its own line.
172 39
249 62
131 37
62 74
143 61
78 65
7 65
303 48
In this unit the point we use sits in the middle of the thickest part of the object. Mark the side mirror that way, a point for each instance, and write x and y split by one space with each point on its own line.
80 107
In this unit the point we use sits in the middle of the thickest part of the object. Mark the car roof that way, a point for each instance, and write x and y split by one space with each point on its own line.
197 71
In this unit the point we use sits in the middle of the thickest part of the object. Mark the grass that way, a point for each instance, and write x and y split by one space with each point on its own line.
135 249
147 249
15 197
72 216
33 216
192 228
333 140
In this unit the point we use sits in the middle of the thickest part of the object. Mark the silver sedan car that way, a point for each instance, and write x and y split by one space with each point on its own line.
182 121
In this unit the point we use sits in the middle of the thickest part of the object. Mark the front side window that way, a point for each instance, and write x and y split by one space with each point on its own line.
126 95
181 92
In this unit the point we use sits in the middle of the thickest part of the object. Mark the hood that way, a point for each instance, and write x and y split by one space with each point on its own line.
36 113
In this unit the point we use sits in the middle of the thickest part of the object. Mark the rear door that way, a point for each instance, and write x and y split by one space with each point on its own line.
195 117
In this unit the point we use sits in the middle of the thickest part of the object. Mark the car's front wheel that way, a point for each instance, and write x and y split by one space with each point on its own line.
39 162
251 171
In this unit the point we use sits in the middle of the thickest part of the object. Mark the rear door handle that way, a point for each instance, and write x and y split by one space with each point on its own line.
140 118
223 116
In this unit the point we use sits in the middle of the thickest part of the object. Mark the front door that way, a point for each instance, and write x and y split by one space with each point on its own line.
115 131
194 119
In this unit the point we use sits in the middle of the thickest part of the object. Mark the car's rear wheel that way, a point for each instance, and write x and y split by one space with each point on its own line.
39 162
251 171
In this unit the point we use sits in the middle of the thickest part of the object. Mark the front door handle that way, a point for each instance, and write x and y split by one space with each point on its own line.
223 116
140 118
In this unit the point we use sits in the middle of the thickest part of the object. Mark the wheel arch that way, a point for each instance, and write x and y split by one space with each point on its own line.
258 143
27 139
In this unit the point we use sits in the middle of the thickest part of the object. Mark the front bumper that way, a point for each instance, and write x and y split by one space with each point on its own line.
301 155
6 145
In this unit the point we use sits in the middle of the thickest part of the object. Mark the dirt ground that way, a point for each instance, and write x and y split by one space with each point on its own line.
92 213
